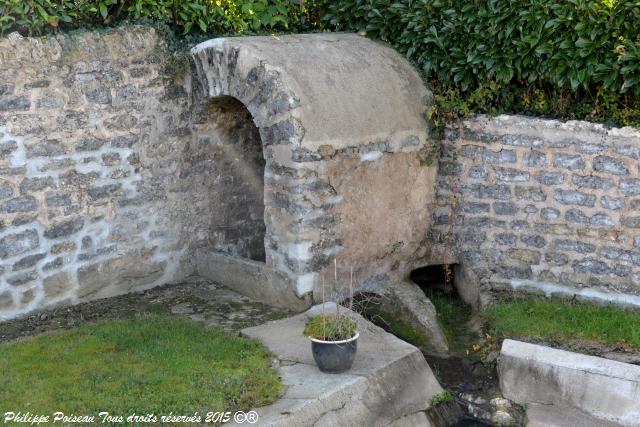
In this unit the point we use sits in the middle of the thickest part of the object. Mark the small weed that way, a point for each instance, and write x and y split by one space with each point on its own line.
442 397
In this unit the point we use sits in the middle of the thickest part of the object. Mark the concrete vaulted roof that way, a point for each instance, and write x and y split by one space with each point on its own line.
342 90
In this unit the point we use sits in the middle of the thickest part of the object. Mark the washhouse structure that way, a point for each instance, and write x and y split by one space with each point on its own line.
331 152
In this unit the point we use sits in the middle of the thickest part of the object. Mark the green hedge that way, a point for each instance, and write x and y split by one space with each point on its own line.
36 17
564 58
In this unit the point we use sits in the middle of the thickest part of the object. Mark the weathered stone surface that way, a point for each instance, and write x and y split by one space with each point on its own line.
549 214
493 191
22 278
99 95
591 182
19 204
569 161
511 174
89 144
104 191
613 203
573 245
30 185
18 243
533 240
534 194
549 178
65 228
504 208
118 276
556 258
409 303
508 239
474 207
54 200
606 390
478 172
535 159
526 255
581 207
610 165
28 261
46 148
590 265
630 187
6 190
14 103
571 197
57 286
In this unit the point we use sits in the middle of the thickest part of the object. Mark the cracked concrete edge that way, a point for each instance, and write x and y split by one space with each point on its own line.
602 388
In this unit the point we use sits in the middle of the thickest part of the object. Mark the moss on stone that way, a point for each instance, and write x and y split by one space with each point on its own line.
393 323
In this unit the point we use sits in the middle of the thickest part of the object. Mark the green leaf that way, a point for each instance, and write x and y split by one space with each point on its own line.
103 10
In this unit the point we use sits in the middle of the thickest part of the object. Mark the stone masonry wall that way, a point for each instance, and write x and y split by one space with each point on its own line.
104 187
542 206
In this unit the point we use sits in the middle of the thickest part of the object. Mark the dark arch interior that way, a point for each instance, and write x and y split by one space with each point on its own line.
237 224
434 277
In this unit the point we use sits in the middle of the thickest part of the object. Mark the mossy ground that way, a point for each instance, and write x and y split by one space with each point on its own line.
143 365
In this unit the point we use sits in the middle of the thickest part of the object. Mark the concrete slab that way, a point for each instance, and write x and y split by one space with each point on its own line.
561 416
390 382
604 389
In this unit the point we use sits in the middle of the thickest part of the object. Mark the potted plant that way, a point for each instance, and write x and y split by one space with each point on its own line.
334 337
334 341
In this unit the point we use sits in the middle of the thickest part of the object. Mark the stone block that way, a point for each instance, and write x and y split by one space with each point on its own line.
571 197
19 205
18 243
573 246
613 203
610 165
549 178
505 208
534 194
592 182
607 390
64 228
569 161
511 174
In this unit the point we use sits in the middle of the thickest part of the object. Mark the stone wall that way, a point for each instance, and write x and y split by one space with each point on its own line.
541 206
104 186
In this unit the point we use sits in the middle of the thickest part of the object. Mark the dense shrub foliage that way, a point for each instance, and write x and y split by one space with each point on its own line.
557 58
34 17
567 58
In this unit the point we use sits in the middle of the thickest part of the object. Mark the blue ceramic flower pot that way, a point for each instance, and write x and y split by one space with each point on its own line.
334 356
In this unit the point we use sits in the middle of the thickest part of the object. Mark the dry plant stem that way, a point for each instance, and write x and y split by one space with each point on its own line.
337 288
452 220
351 289
324 319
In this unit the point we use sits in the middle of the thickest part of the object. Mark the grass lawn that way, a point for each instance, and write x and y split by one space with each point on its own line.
547 320
154 364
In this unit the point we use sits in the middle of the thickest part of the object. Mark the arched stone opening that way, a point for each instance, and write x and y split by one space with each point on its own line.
347 172
236 225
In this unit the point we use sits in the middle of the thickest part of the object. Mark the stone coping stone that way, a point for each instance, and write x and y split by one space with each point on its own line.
390 382
601 388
